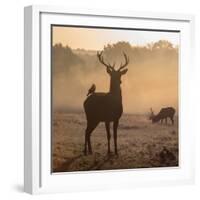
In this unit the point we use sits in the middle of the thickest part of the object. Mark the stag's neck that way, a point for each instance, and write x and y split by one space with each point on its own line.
116 92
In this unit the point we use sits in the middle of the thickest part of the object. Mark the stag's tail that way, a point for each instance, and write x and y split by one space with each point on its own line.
92 89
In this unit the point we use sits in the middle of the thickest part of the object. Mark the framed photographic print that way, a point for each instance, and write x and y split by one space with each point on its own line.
107 99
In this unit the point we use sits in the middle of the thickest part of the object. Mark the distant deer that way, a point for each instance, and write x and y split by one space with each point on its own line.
105 107
163 114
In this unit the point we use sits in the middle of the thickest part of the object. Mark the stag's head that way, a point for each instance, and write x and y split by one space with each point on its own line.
115 74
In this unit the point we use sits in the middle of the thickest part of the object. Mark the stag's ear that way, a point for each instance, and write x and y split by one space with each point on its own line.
123 71
108 70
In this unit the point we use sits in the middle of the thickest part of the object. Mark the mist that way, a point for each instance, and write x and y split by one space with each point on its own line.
151 80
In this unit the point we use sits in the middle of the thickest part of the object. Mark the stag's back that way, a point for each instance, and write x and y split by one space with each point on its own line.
102 107
167 112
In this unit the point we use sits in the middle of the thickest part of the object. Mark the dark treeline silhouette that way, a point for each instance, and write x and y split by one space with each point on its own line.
64 57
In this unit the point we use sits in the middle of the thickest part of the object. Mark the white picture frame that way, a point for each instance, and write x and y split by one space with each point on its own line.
37 138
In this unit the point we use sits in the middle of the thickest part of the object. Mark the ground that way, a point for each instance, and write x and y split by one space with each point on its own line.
141 144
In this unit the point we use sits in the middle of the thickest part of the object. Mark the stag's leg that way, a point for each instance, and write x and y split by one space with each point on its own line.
172 120
166 120
86 140
90 127
161 121
115 126
108 135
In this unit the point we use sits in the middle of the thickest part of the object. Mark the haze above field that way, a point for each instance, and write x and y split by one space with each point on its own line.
152 78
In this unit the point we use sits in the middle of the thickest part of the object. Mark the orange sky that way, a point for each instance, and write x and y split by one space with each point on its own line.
95 39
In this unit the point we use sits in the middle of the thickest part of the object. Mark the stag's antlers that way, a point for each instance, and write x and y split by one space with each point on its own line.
126 62
122 66
100 57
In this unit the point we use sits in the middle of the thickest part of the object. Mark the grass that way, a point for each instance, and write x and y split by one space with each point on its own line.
141 144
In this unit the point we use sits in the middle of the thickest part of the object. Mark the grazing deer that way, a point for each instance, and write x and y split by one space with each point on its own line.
105 107
163 114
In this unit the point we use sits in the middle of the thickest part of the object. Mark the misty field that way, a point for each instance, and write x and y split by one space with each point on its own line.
141 144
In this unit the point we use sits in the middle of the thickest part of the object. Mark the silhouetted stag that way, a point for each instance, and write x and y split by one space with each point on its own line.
163 114
105 107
